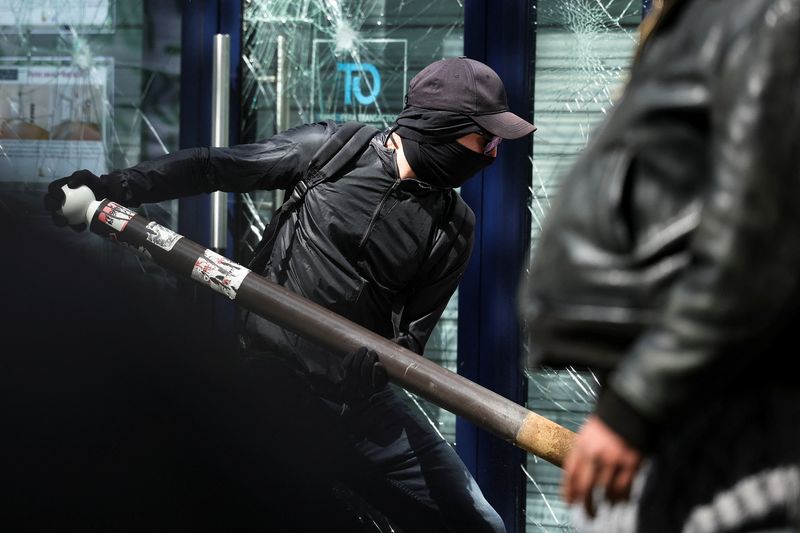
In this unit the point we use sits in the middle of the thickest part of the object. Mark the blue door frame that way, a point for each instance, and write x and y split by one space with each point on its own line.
499 34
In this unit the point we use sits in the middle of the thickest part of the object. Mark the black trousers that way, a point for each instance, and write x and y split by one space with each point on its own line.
375 466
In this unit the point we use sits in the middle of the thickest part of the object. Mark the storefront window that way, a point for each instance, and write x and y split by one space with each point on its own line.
86 84
583 50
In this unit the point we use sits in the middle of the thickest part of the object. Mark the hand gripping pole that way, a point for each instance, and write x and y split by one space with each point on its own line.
467 399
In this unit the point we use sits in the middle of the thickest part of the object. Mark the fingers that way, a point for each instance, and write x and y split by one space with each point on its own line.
374 372
371 371
82 177
573 464
54 198
619 486
599 466
580 477
55 185
54 201
612 484
380 378
366 360
364 373
364 364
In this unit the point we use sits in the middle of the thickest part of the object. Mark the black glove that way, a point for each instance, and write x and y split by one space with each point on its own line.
54 198
364 375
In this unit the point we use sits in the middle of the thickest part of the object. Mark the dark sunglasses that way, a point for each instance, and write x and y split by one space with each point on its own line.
492 142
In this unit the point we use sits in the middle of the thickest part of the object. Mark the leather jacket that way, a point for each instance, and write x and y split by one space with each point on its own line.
671 258
384 252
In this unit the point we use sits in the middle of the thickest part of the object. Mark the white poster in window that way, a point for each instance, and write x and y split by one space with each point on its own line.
54 118
51 16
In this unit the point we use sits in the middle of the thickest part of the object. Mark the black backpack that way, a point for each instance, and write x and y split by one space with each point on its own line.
340 149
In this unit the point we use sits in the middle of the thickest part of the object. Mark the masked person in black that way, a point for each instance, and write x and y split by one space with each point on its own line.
384 243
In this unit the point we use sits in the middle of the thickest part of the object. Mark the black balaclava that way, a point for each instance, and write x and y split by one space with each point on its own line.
429 144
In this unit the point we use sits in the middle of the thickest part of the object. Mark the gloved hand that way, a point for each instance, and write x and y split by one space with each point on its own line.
364 375
54 198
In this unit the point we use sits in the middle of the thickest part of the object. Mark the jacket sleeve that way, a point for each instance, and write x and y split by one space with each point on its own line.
415 317
741 285
276 163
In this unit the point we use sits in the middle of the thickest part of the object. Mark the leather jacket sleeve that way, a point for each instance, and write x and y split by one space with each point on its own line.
416 313
742 283
276 163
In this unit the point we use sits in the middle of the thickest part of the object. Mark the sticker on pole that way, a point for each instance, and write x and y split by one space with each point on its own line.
162 237
115 216
219 273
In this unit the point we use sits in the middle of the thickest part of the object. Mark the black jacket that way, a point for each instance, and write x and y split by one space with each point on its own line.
672 257
383 252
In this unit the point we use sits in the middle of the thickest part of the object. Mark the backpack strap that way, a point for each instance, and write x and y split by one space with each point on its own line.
331 158
345 144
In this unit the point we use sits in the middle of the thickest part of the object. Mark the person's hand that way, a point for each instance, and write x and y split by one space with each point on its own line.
364 375
54 198
599 458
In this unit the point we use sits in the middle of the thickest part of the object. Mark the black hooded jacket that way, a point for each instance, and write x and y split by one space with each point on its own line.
384 252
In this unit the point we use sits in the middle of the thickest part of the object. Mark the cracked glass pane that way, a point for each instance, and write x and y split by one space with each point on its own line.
313 60
86 84
583 49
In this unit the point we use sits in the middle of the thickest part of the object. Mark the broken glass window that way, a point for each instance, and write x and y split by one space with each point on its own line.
86 84
583 49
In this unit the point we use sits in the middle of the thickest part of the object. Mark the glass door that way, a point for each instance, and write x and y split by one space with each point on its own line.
314 60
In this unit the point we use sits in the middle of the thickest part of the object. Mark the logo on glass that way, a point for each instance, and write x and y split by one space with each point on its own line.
353 84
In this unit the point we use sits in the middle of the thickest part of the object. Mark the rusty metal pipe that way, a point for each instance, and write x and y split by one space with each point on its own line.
467 399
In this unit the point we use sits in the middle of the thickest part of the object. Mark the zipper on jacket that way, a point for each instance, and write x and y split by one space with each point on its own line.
376 213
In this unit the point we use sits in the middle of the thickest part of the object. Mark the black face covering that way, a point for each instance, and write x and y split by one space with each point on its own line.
444 165
429 143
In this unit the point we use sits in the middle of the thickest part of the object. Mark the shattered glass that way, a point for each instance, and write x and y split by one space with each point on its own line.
312 60
86 84
583 49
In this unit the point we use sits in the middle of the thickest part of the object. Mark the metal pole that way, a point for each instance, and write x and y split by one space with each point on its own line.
281 100
220 97
467 399
281 81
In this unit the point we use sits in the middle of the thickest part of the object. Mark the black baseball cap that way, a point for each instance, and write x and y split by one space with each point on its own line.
465 86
